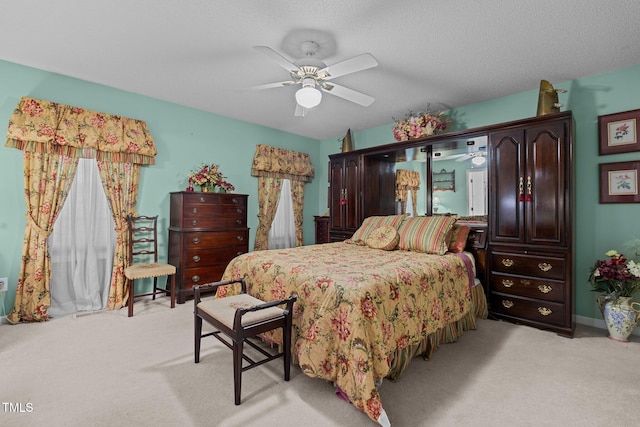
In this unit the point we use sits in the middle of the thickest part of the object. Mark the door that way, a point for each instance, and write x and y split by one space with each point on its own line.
528 185
546 183
476 192
507 186
344 190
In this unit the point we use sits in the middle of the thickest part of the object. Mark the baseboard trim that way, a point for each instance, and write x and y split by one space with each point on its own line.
599 323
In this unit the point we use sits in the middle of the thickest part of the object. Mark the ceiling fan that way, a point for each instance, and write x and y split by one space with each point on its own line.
314 76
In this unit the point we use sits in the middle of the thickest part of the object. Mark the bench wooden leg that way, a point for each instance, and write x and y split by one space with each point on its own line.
237 368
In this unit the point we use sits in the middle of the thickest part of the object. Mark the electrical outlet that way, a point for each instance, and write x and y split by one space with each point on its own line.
4 284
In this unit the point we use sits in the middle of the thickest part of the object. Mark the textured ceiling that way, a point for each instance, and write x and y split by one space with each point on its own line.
198 53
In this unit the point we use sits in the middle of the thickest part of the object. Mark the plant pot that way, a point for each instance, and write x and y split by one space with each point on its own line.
620 316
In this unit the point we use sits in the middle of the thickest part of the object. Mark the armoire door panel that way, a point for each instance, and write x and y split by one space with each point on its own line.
506 180
546 168
352 186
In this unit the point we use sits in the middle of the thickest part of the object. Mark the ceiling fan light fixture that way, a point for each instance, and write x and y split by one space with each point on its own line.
308 96
478 160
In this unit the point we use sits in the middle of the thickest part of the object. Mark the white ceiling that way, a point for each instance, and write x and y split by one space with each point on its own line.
198 53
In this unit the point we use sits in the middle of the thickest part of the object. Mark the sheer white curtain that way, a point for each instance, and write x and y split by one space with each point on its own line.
81 246
283 229
410 204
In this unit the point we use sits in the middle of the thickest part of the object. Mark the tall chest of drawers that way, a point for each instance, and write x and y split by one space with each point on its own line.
206 231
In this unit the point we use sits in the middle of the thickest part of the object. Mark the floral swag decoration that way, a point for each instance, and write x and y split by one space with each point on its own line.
209 178
418 125
615 277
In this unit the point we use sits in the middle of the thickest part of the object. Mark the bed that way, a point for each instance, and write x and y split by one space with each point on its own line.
367 306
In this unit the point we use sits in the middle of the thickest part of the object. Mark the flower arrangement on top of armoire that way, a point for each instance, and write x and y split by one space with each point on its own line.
209 178
418 125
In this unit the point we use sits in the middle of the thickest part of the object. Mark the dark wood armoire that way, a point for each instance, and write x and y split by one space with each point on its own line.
529 270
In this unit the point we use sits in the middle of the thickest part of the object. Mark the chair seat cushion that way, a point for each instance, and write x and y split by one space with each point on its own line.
140 271
224 309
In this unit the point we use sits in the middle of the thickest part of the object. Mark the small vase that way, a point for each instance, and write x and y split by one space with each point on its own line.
620 316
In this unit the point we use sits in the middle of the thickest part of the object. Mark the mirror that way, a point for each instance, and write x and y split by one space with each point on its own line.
458 176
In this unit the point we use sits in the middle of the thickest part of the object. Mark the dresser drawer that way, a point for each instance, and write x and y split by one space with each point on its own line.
550 290
214 239
528 309
202 257
201 275
215 221
528 265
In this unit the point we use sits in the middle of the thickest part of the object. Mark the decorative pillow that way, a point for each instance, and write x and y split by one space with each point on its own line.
373 222
385 238
458 237
426 234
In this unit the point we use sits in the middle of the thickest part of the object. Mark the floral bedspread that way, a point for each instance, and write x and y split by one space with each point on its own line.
356 306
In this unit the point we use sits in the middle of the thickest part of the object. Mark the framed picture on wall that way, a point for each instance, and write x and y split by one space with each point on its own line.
619 182
618 132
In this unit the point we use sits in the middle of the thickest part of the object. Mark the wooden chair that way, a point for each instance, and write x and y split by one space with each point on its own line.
143 259
241 317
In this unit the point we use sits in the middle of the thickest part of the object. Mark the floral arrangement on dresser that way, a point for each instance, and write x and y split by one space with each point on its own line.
209 179
418 125
615 277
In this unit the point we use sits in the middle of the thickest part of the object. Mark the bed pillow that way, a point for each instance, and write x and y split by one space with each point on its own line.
458 237
371 223
385 238
426 234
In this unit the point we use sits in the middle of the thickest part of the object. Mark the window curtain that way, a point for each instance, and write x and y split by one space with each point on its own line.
81 246
282 234
271 165
53 137
406 181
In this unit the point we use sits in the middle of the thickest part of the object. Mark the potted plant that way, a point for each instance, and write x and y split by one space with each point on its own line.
617 279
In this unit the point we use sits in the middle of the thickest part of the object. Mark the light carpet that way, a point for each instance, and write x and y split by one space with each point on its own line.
106 369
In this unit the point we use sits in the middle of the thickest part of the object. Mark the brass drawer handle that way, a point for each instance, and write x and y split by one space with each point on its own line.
507 262
194 210
545 289
239 210
525 282
507 283
202 199
240 238
238 221
545 266
196 240
196 258
234 200
544 311
195 279
506 303
194 222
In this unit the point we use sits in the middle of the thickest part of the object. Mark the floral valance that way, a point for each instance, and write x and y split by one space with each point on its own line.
280 163
44 126
409 180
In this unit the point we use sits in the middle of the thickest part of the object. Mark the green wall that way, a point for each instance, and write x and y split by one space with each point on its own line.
185 137
598 227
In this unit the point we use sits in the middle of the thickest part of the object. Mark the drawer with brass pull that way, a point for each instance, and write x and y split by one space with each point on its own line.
546 289
528 265
527 309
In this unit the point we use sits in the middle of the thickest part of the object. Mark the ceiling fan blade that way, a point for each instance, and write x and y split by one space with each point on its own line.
348 94
357 63
279 59
272 85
